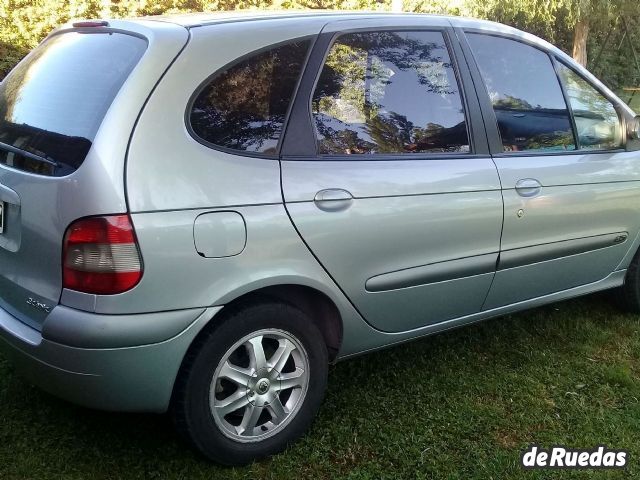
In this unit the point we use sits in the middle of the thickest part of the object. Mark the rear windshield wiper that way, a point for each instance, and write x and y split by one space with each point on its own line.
31 156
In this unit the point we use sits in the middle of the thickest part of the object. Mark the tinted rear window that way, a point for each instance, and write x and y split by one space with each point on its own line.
244 106
389 93
52 104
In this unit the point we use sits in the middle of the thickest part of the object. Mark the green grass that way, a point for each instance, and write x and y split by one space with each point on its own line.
458 405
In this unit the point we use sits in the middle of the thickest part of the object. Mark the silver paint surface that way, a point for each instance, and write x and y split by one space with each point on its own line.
405 223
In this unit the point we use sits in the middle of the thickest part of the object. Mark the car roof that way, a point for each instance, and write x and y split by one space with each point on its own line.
194 20
190 20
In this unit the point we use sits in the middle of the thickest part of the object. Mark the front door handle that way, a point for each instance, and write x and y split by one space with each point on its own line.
528 187
333 199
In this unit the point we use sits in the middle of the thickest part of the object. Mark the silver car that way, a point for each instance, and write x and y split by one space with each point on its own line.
198 214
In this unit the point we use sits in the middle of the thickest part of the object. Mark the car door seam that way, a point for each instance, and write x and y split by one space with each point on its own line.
295 227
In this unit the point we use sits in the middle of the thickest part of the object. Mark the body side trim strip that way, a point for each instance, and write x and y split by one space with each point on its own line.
551 251
432 273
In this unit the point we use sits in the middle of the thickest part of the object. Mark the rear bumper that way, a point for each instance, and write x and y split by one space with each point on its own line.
114 375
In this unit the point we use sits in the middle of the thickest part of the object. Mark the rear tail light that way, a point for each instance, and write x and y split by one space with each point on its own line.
101 255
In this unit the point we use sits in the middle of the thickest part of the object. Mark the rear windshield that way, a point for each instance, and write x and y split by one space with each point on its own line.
52 103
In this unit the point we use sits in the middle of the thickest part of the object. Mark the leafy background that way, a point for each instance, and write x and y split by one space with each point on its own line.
24 23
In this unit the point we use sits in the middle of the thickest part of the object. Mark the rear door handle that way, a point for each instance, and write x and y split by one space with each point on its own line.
528 187
333 199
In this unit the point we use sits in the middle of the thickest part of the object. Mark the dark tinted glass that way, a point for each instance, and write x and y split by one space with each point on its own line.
52 104
244 106
389 92
526 94
597 121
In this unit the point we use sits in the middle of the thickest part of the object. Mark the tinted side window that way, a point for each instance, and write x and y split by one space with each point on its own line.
244 106
597 121
389 92
526 94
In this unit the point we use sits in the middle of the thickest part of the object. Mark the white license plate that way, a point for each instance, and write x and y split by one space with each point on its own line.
1 217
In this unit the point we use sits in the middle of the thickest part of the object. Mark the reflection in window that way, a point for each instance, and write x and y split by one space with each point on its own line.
244 106
389 92
526 95
52 103
596 119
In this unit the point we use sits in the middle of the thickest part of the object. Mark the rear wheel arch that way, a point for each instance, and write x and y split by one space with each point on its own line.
316 304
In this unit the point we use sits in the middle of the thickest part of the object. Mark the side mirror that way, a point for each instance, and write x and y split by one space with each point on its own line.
633 128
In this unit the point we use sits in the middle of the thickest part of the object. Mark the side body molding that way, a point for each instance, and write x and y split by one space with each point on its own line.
518 257
435 272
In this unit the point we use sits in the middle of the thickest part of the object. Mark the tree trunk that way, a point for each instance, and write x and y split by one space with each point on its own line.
580 35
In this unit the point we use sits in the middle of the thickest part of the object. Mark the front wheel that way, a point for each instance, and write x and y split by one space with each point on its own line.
252 384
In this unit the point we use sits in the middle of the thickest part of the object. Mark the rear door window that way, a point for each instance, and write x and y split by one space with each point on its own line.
53 102
526 95
389 92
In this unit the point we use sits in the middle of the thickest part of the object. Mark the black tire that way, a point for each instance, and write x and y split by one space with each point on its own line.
191 409
628 295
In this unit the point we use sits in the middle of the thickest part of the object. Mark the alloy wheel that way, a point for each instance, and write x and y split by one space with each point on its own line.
259 385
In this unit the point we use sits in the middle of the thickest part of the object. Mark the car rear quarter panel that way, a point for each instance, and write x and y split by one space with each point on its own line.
172 179
167 169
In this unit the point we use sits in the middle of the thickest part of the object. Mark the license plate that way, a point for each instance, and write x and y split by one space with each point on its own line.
1 217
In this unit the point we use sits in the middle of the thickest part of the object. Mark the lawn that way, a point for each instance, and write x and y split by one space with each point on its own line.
458 405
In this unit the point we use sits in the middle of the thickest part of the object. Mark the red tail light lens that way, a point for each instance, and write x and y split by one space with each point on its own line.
101 255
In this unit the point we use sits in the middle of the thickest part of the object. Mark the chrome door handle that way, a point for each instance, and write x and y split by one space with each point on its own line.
333 199
528 187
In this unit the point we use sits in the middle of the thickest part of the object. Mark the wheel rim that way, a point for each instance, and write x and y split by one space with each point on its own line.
259 385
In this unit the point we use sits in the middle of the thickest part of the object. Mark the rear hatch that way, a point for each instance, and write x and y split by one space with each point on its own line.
66 114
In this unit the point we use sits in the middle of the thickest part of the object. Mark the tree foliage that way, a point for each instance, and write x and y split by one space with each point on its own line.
24 23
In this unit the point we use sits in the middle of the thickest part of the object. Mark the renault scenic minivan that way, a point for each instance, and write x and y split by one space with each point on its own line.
198 214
